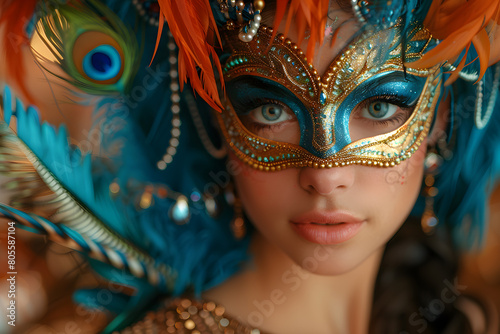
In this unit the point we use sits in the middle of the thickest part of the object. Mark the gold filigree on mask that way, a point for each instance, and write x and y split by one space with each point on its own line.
283 62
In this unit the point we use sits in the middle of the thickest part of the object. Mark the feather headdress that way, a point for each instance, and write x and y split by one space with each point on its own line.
44 174
459 24
194 28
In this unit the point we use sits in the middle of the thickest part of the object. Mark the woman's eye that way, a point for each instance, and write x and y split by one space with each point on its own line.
270 114
379 110
272 120
378 116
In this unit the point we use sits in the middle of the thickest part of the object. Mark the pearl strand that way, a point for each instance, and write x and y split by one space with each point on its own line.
217 153
144 15
247 32
175 98
481 120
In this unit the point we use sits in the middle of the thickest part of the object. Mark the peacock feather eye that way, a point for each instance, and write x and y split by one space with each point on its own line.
98 58
102 63
94 48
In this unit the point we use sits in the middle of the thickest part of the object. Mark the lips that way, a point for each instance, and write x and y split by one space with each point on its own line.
327 228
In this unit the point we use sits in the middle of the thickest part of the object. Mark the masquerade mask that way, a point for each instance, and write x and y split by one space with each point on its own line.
366 109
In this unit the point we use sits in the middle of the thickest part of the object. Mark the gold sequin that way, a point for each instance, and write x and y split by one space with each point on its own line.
219 310
210 306
185 316
189 324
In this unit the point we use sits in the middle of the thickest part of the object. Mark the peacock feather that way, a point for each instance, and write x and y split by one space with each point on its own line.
98 53
44 174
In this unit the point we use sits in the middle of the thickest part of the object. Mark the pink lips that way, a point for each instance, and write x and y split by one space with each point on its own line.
327 228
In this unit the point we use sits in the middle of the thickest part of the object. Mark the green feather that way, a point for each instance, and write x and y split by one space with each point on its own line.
60 25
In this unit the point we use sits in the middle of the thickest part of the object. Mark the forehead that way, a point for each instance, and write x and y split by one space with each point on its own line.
340 29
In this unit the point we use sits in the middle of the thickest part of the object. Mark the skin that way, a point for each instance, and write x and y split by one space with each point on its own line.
330 286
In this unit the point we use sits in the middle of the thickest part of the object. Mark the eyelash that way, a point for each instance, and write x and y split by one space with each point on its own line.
244 106
253 104
260 126
399 117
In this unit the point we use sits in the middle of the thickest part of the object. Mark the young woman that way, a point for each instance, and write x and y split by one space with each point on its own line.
343 123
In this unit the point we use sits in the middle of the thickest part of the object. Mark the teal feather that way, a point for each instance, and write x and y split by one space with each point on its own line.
41 153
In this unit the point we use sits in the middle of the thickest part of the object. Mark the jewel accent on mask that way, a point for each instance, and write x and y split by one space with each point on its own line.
282 62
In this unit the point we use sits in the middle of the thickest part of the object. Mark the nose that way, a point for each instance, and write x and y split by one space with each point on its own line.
326 181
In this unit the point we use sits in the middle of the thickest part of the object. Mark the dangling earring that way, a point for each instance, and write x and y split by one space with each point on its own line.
429 219
238 226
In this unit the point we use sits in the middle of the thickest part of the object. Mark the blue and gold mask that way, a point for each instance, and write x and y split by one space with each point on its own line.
366 109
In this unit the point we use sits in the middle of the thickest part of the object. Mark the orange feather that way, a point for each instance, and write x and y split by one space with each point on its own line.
459 24
15 15
193 27
482 45
455 74
191 23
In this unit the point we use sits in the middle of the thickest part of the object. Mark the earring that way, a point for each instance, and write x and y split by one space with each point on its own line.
429 219
238 226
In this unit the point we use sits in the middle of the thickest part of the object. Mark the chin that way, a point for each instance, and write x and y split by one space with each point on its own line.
331 261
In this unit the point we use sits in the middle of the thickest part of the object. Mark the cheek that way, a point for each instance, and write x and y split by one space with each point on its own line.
395 189
264 195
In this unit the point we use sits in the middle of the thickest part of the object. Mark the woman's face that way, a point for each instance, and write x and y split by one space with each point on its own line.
287 206
347 212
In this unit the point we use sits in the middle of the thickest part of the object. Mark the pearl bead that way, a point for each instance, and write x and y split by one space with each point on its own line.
244 37
259 4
